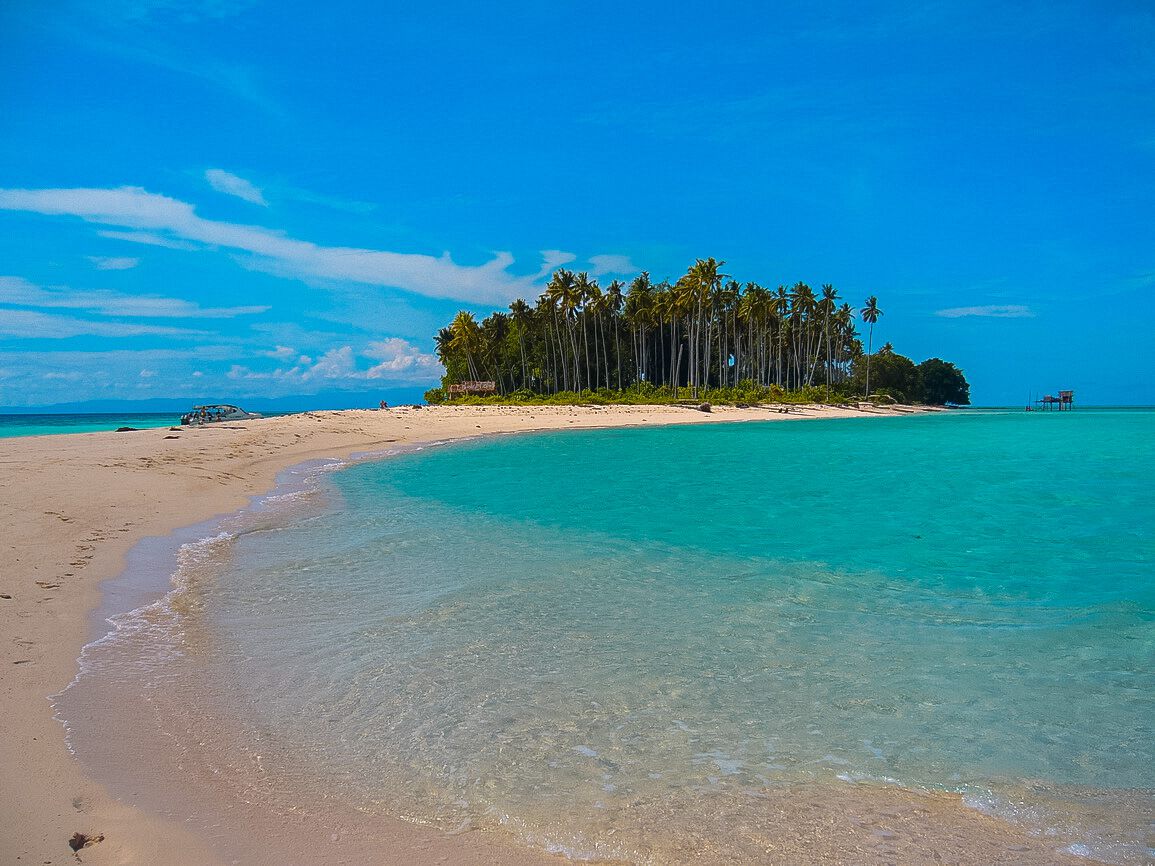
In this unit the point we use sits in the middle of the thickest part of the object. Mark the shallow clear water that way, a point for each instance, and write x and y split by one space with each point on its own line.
615 642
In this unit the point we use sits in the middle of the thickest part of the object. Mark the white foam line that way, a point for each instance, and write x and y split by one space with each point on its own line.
134 621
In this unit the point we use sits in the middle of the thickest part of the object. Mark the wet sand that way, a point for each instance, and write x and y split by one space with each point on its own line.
73 507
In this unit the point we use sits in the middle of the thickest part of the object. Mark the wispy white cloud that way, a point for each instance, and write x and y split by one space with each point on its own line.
230 184
202 371
281 353
49 373
155 32
612 264
35 324
93 359
991 311
551 260
136 209
16 290
113 263
147 238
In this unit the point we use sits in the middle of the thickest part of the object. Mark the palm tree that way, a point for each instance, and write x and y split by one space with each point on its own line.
467 339
699 287
727 333
666 307
827 306
596 306
588 294
565 296
522 315
726 311
779 308
870 314
614 302
844 328
494 331
801 313
752 309
546 313
441 341
744 315
639 311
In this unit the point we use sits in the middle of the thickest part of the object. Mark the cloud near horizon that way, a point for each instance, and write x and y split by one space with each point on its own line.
399 362
150 218
990 311
400 358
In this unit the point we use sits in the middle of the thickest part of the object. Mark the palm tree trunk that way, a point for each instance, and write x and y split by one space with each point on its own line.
586 347
618 351
521 346
573 340
606 353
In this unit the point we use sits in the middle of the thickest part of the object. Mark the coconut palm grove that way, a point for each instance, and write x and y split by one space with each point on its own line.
706 336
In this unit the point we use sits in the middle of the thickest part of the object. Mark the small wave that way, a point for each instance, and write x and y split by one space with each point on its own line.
154 625
291 496
1056 821
190 555
570 846
872 779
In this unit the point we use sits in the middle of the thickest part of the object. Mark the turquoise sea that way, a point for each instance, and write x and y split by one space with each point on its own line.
42 425
615 643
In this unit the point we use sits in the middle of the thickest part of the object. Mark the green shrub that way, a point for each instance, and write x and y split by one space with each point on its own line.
647 394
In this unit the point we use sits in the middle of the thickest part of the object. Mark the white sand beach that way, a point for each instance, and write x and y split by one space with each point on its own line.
74 505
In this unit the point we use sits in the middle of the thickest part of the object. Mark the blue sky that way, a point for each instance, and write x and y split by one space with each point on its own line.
235 199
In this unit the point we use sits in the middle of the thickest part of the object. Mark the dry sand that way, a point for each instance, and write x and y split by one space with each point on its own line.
73 505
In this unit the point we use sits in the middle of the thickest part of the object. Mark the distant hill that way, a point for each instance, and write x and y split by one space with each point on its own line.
330 400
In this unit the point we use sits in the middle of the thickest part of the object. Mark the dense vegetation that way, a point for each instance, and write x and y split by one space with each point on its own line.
703 337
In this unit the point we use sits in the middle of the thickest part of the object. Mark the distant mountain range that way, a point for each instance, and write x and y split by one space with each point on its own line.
330 400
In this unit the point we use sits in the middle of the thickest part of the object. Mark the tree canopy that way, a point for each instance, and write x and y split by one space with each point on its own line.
943 383
704 335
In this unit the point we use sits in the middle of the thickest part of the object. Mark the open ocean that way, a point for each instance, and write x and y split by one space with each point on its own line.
615 643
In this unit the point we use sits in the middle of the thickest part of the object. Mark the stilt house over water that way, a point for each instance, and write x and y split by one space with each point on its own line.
1064 402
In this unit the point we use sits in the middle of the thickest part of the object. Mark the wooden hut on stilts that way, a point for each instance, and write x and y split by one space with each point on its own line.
1064 402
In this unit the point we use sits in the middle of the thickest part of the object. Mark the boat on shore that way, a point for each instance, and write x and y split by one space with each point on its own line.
215 413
